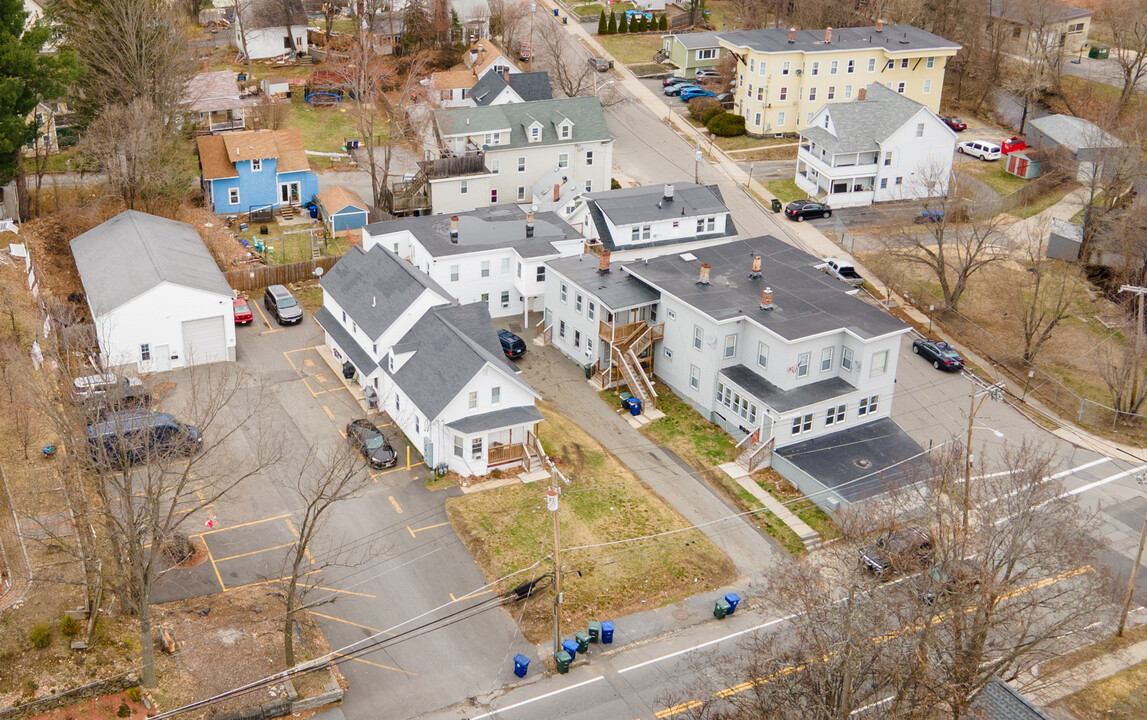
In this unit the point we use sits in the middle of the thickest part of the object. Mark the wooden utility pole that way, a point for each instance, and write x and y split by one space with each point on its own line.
1134 568
1140 291
552 506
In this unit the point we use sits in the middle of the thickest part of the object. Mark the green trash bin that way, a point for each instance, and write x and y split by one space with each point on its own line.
1098 52
776 205
582 639
721 608
563 660
594 631
588 371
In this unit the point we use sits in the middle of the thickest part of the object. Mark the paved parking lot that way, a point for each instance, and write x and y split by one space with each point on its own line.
387 561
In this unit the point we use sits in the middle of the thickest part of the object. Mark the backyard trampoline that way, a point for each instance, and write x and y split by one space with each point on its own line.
323 97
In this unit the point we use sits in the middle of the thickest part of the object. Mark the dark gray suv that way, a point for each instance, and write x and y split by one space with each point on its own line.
282 305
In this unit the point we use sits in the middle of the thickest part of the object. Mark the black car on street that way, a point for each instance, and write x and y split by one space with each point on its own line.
800 210
371 444
942 355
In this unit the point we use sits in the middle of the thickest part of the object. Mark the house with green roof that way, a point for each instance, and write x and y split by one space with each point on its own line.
539 153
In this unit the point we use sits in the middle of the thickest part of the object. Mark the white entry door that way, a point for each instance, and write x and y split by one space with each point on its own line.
289 193
204 341
161 358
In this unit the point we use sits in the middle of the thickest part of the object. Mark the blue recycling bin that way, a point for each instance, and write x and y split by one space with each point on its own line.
634 405
521 664
570 646
607 632
732 599
314 211
555 12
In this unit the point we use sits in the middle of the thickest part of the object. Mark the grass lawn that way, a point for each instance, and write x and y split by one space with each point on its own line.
994 175
1043 202
722 14
507 529
693 438
589 10
768 522
786 190
1122 696
775 485
631 49
324 128
745 142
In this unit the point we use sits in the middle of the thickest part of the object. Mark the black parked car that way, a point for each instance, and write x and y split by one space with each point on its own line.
901 550
282 305
371 444
799 210
942 355
512 345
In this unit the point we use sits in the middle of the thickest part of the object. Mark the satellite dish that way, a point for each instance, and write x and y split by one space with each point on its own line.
318 272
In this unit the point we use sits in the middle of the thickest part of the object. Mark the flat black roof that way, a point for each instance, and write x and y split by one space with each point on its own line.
806 300
785 400
861 462
617 289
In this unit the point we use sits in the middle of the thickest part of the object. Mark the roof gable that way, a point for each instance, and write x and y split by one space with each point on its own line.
585 113
376 287
219 153
133 252
862 125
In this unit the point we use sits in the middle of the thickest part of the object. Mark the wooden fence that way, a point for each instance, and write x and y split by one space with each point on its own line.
260 276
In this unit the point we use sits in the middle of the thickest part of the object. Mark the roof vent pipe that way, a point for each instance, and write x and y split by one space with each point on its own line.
879 26
704 279
454 229
828 35
668 192
792 35
529 223
756 273
603 262
767 299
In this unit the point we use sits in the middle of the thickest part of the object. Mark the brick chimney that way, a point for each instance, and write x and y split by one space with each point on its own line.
704 279
603 262
454 229
862 93
529 223
767 299
792 35
756 273
506 75
828 35
879 25
557 192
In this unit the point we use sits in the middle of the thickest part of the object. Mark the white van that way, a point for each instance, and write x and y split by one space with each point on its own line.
980 148
90 386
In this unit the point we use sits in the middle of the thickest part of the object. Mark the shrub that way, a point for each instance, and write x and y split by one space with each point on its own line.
135 693
602 24
30 687
123 711
643 24
41 635
614 184
704 109
727 125
623 23
663 23
611 28
69 626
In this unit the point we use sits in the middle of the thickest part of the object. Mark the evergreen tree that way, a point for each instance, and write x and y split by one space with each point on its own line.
643 24
622 23
663 23
611 29
26 78
602 25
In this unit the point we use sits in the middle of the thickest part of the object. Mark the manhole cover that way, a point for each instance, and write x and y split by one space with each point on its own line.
862 463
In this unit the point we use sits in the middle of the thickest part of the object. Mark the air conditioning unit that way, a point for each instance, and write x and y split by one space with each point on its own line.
505 304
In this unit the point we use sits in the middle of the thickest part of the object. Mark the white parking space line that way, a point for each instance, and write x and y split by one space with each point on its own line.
508 708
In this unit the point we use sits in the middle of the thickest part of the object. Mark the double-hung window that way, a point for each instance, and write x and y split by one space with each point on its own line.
826 359
879 363
698 337
834 415
730 346
802 424
802 364
762 355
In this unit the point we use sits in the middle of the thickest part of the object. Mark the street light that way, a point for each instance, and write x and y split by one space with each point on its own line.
993 431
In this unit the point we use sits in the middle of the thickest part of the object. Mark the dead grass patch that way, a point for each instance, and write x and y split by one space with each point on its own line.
509 528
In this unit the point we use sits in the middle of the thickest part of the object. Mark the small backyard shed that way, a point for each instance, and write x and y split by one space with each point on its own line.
1024 164
276 86
342 209
1064 240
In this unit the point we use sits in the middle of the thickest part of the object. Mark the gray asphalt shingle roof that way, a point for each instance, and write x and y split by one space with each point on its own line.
484 229
497 419
806 300
375 287
894 38
1000 701
133 252
861 125
616 289
529 86
584 112
342 337
1075 133
1035 13
451 344
694 41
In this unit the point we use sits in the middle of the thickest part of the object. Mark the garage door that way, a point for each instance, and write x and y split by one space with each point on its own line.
204 341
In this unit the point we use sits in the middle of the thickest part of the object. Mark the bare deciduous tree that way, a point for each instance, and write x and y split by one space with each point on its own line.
990 598
272 113
962 243
507 18
1127 20
1046 296
559 56
323 481
1120 366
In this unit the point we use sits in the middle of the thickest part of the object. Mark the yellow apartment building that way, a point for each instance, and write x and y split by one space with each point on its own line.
784 76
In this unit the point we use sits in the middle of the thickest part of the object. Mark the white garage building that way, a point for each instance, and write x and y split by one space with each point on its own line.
157 298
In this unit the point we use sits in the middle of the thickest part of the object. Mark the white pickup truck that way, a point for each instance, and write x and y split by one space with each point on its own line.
843 270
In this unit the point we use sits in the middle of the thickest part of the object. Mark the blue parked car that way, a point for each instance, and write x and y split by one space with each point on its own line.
695 92
680 87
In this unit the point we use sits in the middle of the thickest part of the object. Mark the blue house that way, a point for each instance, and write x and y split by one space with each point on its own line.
255 170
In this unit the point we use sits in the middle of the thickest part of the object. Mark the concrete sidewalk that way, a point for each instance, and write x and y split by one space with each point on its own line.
562 382
1083 675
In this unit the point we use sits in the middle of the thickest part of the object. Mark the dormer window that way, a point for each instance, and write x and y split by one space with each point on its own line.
565 131
535 133
256 165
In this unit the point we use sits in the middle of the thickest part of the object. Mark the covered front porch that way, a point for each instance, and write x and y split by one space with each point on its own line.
498 440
